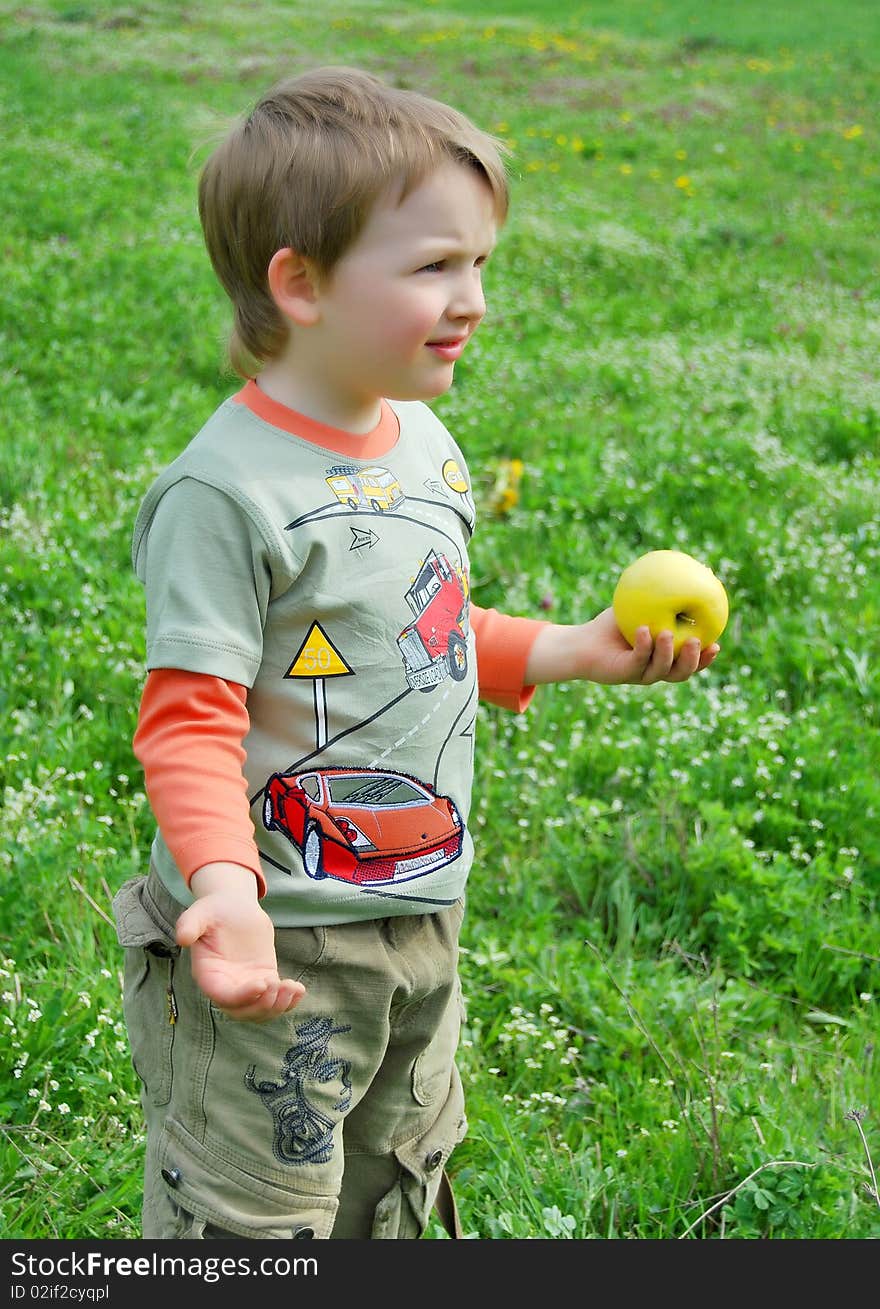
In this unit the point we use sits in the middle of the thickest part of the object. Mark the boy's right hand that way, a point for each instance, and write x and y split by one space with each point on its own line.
232 946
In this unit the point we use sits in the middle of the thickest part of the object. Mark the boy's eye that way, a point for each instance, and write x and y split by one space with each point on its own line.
436 267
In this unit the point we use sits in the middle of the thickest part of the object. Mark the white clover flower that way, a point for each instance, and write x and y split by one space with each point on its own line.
63 1108
621 1154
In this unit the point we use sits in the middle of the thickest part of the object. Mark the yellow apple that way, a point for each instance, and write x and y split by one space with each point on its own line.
668 590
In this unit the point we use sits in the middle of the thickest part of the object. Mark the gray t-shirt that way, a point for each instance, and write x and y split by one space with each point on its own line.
336 589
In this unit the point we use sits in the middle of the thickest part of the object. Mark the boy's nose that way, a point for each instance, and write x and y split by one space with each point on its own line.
468 300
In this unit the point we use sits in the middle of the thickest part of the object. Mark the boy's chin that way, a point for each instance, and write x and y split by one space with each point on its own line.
428 391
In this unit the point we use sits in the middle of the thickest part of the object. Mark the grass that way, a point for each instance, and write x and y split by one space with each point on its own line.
672 942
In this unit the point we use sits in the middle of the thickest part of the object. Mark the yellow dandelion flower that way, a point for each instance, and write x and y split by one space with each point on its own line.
681 154
504 495
626 169
562 139
683 182
853 133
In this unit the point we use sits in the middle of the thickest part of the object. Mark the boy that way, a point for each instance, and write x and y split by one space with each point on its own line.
306 728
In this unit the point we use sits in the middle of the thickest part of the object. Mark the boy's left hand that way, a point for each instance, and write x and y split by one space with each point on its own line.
615 661
598 651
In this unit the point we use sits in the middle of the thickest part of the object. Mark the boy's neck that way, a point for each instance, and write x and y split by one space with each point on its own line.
296 393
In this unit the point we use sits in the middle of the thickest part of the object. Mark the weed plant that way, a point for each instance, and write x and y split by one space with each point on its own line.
671 949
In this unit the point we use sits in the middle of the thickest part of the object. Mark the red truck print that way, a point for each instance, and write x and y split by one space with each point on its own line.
434 647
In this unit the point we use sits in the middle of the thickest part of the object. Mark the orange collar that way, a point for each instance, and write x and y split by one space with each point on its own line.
369 446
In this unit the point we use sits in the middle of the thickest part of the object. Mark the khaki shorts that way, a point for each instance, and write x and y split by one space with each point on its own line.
335 1120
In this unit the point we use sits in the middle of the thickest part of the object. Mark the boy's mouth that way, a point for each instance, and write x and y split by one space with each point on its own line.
450 349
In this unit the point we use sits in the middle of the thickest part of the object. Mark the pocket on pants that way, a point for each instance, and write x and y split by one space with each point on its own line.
148 999
405 1210
432 1067
209 1196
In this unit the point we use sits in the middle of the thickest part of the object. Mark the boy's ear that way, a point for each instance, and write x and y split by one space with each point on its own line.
293 284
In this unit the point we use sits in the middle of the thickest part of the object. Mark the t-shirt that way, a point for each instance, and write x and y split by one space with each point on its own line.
327 574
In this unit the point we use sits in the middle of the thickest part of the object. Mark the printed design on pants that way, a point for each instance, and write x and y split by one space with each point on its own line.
303 1134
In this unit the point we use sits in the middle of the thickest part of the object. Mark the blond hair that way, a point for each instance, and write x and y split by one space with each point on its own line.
304 170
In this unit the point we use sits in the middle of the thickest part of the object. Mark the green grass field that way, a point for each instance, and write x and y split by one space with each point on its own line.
672 946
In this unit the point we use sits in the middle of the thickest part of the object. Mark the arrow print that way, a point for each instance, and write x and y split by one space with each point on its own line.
362 537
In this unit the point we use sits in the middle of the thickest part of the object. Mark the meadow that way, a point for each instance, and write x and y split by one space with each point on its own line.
672 945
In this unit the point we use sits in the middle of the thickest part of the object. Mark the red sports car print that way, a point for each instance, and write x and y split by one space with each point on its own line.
363 826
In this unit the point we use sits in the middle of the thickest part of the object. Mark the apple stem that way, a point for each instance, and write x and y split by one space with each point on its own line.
685 618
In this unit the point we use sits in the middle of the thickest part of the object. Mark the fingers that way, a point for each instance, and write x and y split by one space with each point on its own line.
278 998
191 924
687 663
660 663
708 656
656 657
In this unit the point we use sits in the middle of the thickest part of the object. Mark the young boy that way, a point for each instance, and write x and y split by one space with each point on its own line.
315 658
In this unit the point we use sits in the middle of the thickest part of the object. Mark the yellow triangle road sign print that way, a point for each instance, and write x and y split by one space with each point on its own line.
318 657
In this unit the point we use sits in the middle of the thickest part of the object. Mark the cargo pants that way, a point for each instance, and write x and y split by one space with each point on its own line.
333 1121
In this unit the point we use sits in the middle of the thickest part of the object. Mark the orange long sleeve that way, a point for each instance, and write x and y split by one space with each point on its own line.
189 742
503 646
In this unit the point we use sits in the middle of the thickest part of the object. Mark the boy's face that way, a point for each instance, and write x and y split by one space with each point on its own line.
398 308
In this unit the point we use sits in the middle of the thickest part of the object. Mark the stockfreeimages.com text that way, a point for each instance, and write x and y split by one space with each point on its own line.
210 1269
